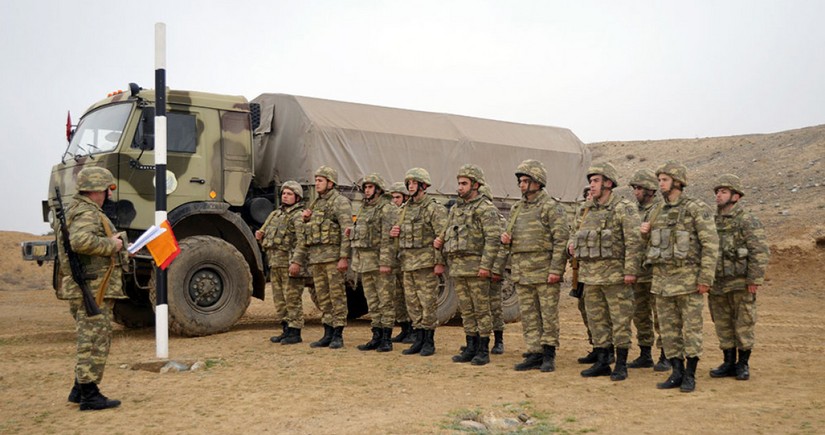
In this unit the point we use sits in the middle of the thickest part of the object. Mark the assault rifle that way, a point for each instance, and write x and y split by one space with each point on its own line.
78 271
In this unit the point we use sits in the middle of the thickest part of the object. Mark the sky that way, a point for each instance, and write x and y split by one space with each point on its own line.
607 70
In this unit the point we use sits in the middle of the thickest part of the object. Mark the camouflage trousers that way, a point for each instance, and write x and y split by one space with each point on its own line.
583 312
94 338
496 305
539 305
330 292
474 302
680 322
609 312
734 317
645 318
287 293
378 290
421 292
399 301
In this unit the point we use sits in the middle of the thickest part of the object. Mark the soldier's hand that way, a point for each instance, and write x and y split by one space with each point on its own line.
645 228
343 265
630 279
306 214
118 242
483 273
259 235
553 278
752 288
347 231
506 238
496 277
385 270
395 231
294 269
438 243
702 288
438 269
570 250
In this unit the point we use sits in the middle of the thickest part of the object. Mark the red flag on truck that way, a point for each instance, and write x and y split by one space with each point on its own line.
165 247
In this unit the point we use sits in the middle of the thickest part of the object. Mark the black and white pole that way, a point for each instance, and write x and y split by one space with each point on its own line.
161 305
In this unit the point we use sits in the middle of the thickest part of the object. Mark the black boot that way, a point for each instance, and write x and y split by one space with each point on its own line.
278 338
531 361
326 339
482 356
74 395
498 343
92 400
675 378
728 367
548 358
611 354
428 346
620 369
743 371
386 340
601 367
590 358
406 329
689 380
293 336
374 342
644 361
663 364
337 338
469 350
418 342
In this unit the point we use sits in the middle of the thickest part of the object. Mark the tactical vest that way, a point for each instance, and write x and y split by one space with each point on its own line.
464 233
674 243
366 231
733 251
280 233
415 231
323 227
598 243
529 234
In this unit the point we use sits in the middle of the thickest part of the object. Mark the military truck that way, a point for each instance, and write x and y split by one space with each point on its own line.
227 158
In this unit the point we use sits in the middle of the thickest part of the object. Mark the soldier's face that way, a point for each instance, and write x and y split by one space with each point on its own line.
724 196
596 186
369 190
288 197
412 187
465 186
322 185
525 184
665 183
639 193
397 199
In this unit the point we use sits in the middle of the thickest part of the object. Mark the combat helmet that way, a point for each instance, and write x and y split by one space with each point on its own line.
420 175
484 190
675 170
533 169
471 171
731 182
294 187
606 170
376 179
398 187
328 173
646 179
95 179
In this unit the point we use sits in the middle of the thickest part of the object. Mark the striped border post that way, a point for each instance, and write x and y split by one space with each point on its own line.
161 304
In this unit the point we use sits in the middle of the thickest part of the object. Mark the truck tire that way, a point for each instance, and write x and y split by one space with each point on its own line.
510 309
132 315
209 287
447 302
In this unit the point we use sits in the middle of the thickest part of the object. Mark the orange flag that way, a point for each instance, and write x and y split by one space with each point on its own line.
165 247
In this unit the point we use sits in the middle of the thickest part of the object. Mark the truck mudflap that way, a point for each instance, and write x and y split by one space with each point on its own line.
39 251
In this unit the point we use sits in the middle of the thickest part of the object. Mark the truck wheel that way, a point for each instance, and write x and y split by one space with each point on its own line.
209 286
132 315
447 302
510 309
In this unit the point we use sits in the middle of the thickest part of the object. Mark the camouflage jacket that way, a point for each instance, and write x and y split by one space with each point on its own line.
743 251
370 238
608 242
324 239
683 247
472 238
423 220
281 232
539 237
85 220
645 213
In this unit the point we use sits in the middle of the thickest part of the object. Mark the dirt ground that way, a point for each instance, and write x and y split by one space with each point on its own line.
253 386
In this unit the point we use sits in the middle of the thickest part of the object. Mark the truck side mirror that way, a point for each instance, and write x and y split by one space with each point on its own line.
145 135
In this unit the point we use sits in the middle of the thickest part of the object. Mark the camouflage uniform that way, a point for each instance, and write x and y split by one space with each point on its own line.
399 301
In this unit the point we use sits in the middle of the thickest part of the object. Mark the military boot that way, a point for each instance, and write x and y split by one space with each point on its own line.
418 337
374 342
278 338
293 336
675 378
601 367
406 329
498 343
611 354
386 340
689 380
92 400
531 361
482 355
620 369
326 339
337 338
428 345
728 367
663 364
469 350
548 358
590 358
743 372
74 395
644 361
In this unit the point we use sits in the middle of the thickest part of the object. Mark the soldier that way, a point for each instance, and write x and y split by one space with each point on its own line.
373 255
683 249
326 250
645 184
279 236
471 242
608 247
399 197
101 252
537 233
740 271
420 220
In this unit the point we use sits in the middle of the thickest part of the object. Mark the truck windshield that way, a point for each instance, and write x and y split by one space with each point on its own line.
99 131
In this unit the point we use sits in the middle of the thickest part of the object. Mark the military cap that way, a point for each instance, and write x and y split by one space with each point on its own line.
675 170
328 173
95 179
606 170
471 171
646 179
418 174
533 169
731 182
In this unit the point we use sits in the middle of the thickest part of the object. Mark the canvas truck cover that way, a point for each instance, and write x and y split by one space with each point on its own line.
299 134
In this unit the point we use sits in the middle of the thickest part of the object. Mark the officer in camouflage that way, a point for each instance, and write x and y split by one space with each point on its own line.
399 197
421 218
683 249
743 258
645 184
537 233
279 236
326 250
373 256
91 235
471 243
608 247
